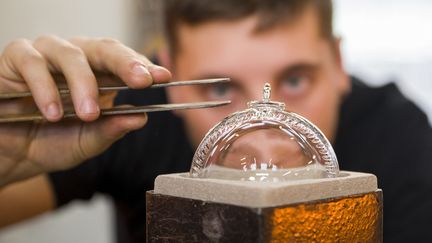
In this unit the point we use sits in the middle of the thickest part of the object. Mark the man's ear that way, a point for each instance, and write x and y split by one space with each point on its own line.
337 46
344 82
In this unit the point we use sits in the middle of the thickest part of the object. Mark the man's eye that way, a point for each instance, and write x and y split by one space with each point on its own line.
293 82
220 91
294 86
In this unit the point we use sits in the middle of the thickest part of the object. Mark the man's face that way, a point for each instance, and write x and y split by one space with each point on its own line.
302 67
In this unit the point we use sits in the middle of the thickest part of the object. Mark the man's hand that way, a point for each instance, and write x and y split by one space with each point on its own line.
28 149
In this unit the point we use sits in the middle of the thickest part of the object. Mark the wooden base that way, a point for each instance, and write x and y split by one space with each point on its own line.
355 218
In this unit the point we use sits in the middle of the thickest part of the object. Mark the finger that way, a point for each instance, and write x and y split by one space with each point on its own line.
27 64
72 62
98 136
110 55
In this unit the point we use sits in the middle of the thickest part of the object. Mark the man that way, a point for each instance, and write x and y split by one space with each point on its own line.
287 43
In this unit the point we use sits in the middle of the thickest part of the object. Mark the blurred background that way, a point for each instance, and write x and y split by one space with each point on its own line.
386 40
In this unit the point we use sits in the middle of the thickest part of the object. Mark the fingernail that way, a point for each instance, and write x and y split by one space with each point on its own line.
156 68
53 110
139 69
89 107
159 73
141 73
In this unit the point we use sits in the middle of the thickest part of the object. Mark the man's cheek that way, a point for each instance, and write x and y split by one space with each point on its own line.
200 120
198 124
208 120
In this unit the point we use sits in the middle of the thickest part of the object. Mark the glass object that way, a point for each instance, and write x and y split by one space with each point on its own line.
264 143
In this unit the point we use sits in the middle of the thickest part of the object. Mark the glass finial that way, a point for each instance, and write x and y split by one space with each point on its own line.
266 92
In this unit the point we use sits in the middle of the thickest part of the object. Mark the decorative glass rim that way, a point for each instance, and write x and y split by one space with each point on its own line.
272 112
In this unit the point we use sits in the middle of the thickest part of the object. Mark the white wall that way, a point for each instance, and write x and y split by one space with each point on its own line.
389 40
31 18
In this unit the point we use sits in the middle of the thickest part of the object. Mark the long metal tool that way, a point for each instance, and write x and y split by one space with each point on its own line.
118 110
66 91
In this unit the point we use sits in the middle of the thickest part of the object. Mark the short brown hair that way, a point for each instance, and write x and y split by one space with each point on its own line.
269 12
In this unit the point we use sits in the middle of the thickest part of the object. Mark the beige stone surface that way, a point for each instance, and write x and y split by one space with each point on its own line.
268 194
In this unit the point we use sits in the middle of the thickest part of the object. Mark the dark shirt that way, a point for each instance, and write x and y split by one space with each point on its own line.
379 132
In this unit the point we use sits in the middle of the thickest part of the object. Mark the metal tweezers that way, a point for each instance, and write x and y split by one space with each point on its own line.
37 116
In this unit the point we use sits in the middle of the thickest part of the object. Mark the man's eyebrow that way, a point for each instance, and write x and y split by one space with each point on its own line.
234 82
298 67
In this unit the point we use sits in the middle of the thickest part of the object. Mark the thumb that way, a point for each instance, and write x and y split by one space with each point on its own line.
98 136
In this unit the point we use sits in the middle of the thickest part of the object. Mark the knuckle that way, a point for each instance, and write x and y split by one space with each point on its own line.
31 61
48 38
16 45
32 58
109 41
71 50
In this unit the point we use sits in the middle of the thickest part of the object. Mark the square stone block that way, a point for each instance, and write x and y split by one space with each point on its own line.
343 209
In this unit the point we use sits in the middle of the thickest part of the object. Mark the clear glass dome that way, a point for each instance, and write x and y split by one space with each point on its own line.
264 143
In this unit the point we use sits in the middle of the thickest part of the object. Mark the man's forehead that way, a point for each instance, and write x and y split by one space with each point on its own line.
305 22
223 47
